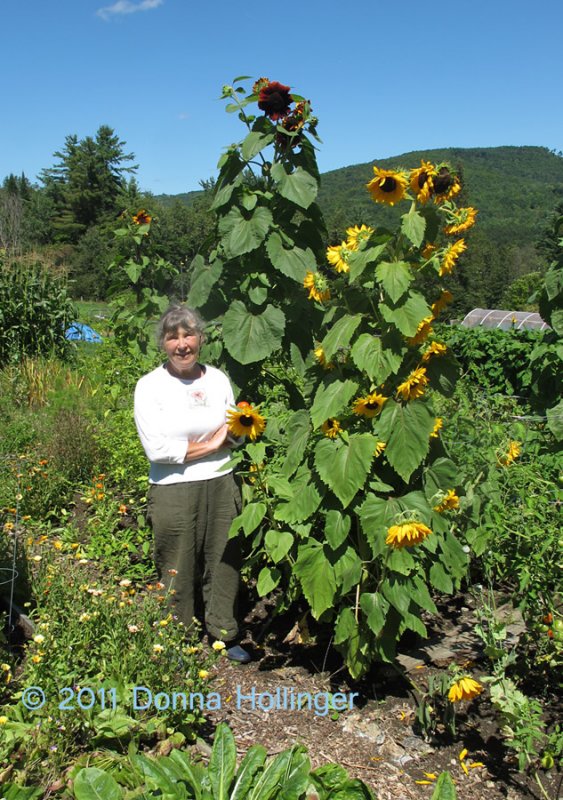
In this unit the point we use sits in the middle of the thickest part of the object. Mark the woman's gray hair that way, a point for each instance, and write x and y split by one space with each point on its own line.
179 316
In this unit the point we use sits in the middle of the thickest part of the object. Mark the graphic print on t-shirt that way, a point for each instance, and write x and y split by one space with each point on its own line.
197 399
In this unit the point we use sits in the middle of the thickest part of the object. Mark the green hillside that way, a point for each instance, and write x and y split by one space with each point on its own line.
515 189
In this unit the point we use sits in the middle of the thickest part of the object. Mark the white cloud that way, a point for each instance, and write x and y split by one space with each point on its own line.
127 7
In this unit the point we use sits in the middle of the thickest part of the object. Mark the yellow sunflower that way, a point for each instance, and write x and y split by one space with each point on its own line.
318 287
142 218
370 405
331 428
379 448
321 358
449 501
388 186
407 534
357 236
421 181
438 425
514 450
337 256
444 299
245 421
464 689
435 349
446 184
422 332
451 255
414 385
464 218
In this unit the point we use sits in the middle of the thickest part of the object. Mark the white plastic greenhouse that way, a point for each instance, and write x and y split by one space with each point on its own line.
505 320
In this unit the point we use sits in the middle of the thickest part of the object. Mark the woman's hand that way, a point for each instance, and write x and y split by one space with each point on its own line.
199 449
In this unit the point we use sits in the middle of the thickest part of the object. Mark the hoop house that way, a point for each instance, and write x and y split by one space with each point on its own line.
505 320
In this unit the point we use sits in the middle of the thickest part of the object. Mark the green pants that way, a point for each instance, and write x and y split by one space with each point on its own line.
190 522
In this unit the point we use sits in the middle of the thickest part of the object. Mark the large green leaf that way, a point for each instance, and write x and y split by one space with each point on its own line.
395 277
441 475
316 575
413 225
249 519
242 234
375 607
295 777
406 315
347 570
299 429
371 355
304 502
361 258
337 528
268 579
340 334
350 641
245 777
204 277
396 592
254 142
406 429
223 761
440 579
278 544
344 466
249 337
294 263
331 399
298 187
92 783
555 420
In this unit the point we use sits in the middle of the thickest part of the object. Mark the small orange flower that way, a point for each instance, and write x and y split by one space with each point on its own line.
142 218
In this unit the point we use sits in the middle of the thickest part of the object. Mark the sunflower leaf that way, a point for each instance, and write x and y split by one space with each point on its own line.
408 315
254 142
375 607
344 466
294 263
250 337
440 579
243 234
298 187
316 575
304 502
413 226
299 426
204 278
347 570
378 357
268 579
440 475
340 334
395 277
337 528
406 429
278 544
331 399
360 259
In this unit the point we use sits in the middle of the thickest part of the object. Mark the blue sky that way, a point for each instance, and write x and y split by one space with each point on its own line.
384 77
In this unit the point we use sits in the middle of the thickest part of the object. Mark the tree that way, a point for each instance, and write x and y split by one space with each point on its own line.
86 183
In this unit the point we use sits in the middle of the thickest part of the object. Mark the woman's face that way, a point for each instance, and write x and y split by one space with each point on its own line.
182 348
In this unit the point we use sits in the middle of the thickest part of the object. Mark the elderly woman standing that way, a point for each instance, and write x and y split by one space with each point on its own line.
180 413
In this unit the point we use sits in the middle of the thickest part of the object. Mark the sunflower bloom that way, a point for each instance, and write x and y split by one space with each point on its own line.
421 181
464 218
379 448
388 186
414 385
331 428
245 421
514 450
446 185
142 218
464 689
445 299
450 500
407 534
357 236
337 256
321 358
317 286
435 349
423 331
274 99
438 425
451 255
370 405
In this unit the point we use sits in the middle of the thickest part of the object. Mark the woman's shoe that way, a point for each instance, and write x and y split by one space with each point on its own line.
238 654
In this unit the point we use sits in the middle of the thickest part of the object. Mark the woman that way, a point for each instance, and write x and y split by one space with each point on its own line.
180 412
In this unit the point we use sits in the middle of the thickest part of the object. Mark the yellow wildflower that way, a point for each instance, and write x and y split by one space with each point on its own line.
464 689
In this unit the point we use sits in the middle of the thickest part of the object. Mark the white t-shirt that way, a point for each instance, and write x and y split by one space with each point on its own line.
171 411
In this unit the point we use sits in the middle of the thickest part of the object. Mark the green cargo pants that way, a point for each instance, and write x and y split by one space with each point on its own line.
190 523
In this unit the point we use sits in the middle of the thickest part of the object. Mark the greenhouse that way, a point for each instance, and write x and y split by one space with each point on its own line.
505 320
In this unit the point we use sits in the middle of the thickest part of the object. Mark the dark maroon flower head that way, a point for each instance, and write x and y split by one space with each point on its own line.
275 99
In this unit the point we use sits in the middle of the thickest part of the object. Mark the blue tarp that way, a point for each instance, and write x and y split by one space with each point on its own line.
79 332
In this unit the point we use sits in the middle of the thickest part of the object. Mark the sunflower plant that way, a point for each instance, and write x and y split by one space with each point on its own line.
352 502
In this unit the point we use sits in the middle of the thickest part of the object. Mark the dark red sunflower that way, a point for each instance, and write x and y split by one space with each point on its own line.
275 99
